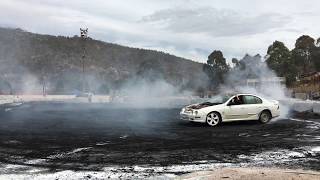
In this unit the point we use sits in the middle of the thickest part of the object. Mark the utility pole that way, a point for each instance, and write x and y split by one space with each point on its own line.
84 37
43 78
44 88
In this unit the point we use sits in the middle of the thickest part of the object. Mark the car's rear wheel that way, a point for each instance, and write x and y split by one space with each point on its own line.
213 119
265 117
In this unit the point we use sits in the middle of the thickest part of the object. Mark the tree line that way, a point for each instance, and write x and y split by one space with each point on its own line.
303 59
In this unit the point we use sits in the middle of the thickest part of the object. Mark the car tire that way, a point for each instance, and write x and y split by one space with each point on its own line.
264 117
213 119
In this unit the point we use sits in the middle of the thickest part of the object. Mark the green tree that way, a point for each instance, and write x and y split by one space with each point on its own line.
304 42
279 59
216 68
235 61
303 54
316 56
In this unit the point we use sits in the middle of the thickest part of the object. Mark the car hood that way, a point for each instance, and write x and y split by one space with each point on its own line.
202 105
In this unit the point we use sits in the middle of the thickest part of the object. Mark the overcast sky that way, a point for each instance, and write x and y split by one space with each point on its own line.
187 28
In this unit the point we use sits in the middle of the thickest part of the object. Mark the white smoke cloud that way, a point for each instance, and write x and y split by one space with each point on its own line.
141 93
267 83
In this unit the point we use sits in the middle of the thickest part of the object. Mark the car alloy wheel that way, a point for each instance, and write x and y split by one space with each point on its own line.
213 119
264 117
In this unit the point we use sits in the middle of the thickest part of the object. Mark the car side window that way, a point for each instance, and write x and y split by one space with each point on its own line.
251 100
237 100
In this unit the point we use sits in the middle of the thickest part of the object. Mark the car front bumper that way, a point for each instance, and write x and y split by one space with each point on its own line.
191 117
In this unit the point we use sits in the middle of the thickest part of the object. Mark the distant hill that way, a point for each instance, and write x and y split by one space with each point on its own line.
28 60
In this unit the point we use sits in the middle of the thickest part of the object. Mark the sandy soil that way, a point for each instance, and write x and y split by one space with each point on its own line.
253 173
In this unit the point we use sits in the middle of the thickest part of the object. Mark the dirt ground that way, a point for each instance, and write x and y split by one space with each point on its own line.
253 173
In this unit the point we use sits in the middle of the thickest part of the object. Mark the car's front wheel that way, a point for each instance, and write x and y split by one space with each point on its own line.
213 119
265 117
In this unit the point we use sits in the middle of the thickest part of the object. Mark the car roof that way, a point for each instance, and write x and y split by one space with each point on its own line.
241 94
244 94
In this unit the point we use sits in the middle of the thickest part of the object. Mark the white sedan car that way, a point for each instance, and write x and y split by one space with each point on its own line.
224 108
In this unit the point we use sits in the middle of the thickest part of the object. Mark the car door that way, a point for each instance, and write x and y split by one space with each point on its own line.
235 109
252 106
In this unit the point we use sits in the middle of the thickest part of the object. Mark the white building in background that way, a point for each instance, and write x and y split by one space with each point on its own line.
257 83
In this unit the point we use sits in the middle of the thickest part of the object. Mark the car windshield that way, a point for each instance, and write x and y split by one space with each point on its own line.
220 99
